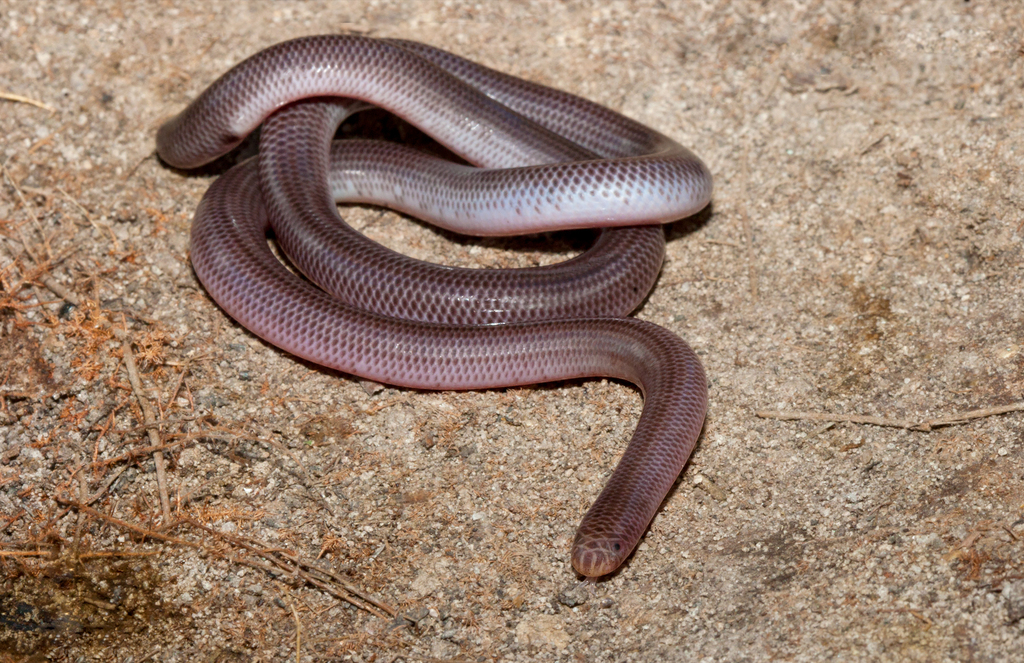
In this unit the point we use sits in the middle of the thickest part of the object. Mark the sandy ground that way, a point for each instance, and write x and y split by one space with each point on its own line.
862 257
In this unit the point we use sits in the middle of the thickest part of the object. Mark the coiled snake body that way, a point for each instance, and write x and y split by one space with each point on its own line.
540 160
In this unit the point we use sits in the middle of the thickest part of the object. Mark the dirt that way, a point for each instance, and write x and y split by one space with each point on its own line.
861 260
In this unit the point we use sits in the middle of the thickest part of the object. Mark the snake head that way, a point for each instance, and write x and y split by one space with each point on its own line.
597 555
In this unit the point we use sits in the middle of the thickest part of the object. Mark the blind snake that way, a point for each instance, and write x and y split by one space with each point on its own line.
539 159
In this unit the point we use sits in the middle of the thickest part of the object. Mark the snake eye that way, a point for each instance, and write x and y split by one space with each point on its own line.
616 546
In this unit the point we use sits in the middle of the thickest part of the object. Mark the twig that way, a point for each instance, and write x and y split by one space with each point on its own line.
875 144
125 524
925 426
102 605
48 281
174 392
286 572
145 451
139 163
158 424
339 580
85 212
53 519
24 204
13 519
106 485
83 497
119 553
298 630
154 436
976 414
10 96
296 577
186 438
720 242
97 416
297 567
56 288
316 582
836 418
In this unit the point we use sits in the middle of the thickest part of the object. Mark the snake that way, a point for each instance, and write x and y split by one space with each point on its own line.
527 159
